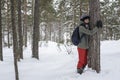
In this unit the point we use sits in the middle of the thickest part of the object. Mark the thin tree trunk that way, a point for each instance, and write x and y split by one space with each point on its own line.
59 33
8 25
1 50
35 49
50 31
94 50
8 35
8 29
33 3
15 45
20 40
25 24
46 35
80 1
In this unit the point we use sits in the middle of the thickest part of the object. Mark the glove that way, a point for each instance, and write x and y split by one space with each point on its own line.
99 24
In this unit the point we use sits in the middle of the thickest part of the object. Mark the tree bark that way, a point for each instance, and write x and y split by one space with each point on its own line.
35 47
15 45
8 24
80 1
20 40
94 50
1 50
25 24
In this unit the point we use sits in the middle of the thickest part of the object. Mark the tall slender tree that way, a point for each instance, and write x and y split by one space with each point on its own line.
8 23
80 1
94 50
35 46
14 32
25 23
20 40
1 51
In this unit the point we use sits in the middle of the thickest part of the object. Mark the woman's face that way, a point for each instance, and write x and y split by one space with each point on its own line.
86 20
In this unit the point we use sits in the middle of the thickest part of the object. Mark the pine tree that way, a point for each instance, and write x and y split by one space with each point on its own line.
35 46
94 50
20 40
1 50
25 26
14 32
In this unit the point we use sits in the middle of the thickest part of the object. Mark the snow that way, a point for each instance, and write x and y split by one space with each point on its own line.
56 64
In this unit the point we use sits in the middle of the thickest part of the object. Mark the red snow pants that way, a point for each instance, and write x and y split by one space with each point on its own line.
82 58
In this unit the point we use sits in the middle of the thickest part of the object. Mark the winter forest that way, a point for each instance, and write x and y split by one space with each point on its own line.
35 39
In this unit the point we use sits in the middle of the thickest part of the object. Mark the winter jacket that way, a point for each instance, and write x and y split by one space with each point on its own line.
84 40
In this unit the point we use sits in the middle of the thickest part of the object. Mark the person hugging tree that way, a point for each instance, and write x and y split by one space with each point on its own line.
82 47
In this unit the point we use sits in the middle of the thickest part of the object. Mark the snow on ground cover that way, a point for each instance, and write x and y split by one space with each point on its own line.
56 64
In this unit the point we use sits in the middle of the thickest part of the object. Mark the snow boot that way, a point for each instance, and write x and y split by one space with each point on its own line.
80 71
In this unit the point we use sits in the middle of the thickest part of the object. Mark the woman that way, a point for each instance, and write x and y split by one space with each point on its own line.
84 32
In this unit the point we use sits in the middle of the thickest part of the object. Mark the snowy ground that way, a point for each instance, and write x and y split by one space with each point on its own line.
56 64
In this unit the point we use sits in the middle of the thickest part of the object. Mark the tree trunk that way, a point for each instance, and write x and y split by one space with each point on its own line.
50 31
60 30
8 24
33 3
20 40
25 24
1 50
46 33
94 50
35 49
15 45
80 1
